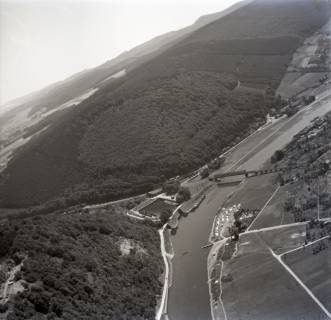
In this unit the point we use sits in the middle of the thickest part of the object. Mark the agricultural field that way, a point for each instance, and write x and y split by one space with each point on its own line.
281 240
253 266
254 193
274 213
313 268
309 64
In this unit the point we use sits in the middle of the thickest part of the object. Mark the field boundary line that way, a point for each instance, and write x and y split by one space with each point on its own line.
267 203
280 226
300 282
304 246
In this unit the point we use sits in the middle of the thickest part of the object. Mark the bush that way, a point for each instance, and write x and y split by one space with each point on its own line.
17 257
2 276
277 156
40 301
3 307
171 187
183 194
289 205
164 217
204 173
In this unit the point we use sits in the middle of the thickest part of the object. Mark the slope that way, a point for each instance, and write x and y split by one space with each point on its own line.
21 118
169 115
62 91
89 266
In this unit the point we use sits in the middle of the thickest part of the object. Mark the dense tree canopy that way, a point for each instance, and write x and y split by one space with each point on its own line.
75 269
167 116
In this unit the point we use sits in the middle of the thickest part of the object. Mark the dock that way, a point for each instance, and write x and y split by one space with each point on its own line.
207 245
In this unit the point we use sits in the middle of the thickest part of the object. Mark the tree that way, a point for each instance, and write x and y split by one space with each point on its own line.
3 308
289 204
171 187
2 276
277 156
183 194
238 224
204 173
164 216
280 179
216 163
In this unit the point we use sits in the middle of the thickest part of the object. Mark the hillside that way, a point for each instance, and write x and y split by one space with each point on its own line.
62 91
25 116
88 266
169 115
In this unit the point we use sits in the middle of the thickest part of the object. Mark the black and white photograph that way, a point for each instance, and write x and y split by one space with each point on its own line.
165 159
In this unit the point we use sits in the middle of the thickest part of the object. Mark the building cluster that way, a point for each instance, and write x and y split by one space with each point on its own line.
308 158
151 209
223 220
317 127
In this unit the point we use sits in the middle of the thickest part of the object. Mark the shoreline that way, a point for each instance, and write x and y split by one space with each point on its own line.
211 261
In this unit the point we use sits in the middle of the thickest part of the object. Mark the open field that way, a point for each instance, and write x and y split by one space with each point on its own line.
254 192
261 288
314 270
285 239
238 155
309 64
274 213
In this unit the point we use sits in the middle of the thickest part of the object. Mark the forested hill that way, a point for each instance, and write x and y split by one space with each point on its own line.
60 92
81 266
169 115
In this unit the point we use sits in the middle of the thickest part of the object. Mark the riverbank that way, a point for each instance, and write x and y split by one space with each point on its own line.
167 249
164 244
